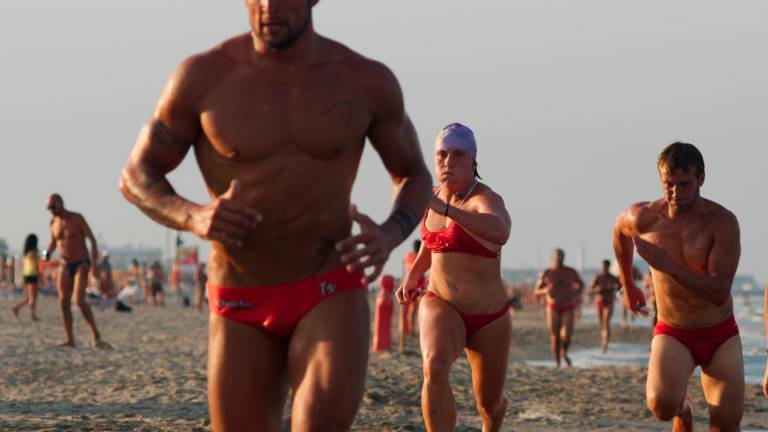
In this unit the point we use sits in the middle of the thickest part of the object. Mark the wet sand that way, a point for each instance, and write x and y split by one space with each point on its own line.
155 379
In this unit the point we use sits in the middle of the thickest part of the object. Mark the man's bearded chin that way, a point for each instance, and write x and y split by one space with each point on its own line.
291 37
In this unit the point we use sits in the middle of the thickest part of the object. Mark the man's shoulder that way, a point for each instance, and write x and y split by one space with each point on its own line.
717 211
718 216
352 61
200 66
644 208
364 72
571 270
641 214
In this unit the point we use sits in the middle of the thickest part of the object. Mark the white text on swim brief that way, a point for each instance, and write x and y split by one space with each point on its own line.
235 304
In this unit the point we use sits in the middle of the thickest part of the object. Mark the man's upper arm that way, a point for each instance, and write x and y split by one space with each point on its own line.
175 124
626 221
540 282
726 249
86 228
391 132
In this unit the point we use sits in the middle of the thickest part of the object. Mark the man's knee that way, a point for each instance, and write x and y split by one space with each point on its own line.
322 414
80 302
65 302
436 368
662 406
725 418
489 408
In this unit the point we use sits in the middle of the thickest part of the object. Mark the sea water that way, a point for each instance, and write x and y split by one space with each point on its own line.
749 316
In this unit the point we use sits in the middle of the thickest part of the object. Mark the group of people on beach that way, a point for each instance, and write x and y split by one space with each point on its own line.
278 118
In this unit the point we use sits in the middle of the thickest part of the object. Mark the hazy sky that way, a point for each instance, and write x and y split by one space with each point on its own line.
571 103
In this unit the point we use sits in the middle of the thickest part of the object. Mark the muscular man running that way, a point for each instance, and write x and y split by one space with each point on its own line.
562 286
692 246
68 233
604 286
278 118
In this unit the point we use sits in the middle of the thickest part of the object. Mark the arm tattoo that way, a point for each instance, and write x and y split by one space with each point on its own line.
163 135
150 192
405 220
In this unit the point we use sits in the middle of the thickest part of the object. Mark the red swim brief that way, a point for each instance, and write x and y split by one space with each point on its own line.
474 322
279 308
600 303
561 309
701 342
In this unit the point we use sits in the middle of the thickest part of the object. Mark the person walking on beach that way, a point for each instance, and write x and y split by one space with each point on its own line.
465 307
105 282
604 287
692 246
408 311
278 118
30 273
563 288
156 279
69 230
146 290
201 279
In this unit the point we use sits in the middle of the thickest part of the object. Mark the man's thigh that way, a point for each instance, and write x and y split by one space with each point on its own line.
327 359
80 282
723 383
247 380
669 367
566 324
63 284
553 321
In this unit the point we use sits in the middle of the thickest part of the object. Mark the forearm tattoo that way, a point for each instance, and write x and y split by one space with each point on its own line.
405 219
148 187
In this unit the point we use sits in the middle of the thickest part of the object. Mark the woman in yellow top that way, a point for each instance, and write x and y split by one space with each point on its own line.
30 272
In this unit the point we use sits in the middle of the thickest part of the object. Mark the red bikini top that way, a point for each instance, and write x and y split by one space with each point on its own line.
453 238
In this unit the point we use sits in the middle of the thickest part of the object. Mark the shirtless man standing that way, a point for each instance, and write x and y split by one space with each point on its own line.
278 119
692 246
68 233
563 287
604 286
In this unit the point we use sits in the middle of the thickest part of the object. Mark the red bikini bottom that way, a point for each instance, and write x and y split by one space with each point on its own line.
474 322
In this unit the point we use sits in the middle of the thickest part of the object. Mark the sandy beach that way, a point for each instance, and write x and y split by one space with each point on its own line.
155 379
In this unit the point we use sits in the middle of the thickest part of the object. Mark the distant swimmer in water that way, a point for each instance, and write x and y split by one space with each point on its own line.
465 308
604 287
692 246
563 288
69 230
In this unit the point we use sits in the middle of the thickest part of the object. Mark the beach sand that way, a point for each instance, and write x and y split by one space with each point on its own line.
155 379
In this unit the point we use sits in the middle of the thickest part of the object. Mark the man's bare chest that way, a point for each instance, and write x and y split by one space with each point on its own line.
686 243
321 117
65 230
560 280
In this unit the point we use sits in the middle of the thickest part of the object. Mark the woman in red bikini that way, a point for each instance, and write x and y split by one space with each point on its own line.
465 307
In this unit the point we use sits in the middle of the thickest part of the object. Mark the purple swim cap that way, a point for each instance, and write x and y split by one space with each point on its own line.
456 135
